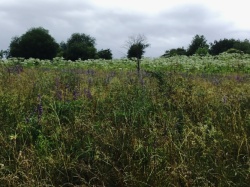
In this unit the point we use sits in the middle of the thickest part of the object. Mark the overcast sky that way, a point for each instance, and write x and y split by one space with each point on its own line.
166 23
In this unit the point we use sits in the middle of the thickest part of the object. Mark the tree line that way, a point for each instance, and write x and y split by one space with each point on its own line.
38 43
200 46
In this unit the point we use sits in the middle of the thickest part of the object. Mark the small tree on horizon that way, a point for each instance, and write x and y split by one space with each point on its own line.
199 41
105 54
136 46
79 46
174 52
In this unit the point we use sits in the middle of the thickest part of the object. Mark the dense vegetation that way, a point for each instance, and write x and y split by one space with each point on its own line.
185 121
200 46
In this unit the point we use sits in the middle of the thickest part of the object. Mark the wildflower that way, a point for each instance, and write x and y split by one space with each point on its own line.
59 94
238 78
90 72
90 81
39 107
76 94
142 82
87 93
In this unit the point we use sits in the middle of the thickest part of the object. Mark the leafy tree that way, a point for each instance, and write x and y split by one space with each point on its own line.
62 49
174 52
199 41
242 46
221 46
202 51
136 46
80 46
105 54
35 43
15 47
226 45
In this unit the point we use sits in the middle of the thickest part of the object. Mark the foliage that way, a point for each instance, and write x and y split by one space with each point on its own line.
221 46
233 50
224 45
1 54
182 123
35 43
105 54
243 46
202 51
79 46
136 46
223 63
174 52
199 41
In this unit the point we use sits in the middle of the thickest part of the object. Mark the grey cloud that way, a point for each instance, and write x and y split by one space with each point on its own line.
165 30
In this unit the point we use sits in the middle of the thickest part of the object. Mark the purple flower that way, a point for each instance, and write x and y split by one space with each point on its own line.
238 78
59 94
76 94
90 72
87 93
39 107
142 82
90 81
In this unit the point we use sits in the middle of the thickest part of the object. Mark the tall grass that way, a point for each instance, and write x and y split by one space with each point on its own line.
93 127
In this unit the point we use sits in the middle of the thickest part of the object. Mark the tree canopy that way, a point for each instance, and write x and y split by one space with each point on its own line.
79 46
105 54
227 45
174 52
199 41
35 43
136 48
221 46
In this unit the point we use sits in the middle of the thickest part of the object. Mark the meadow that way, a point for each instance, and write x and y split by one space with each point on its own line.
184 121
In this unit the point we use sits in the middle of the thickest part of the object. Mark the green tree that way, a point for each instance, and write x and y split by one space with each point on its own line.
35 43
221 46
231 45
202 51
242 46
105 54
136 46
80 46
174 52
199 41
15 47
62 49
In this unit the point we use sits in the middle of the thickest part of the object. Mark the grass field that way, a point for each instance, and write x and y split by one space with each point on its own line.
184 121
